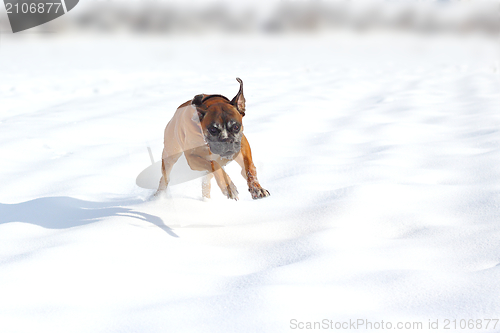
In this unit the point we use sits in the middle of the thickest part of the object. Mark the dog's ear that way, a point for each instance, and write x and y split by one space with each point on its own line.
197 102
239 100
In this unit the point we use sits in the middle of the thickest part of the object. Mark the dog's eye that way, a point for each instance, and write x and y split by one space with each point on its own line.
235 128
213 130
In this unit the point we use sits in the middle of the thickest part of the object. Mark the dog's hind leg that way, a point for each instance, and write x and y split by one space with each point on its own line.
225 183
166 166
196 162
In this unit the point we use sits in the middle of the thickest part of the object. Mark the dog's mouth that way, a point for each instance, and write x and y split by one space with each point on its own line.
224 149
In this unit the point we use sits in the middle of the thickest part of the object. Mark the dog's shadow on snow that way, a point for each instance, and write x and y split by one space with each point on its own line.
66 212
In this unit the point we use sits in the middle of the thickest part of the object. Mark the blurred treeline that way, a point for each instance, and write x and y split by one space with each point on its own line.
456 17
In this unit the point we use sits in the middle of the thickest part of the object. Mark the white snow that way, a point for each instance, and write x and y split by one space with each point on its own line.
381 155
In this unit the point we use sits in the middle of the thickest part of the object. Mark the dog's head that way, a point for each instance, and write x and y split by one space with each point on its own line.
221 121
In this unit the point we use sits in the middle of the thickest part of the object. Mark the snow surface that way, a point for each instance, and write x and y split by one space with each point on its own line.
381 155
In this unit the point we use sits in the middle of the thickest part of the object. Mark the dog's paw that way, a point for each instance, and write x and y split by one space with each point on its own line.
159 193
231 192
258 192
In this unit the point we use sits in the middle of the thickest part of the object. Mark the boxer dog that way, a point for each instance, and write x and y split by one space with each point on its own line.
208 129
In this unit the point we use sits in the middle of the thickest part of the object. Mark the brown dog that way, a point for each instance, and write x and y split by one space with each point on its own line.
208 129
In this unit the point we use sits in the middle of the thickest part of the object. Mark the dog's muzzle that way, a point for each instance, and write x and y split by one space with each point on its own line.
224 149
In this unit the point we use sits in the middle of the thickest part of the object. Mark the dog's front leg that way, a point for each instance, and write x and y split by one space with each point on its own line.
197 162
249 172
205 185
